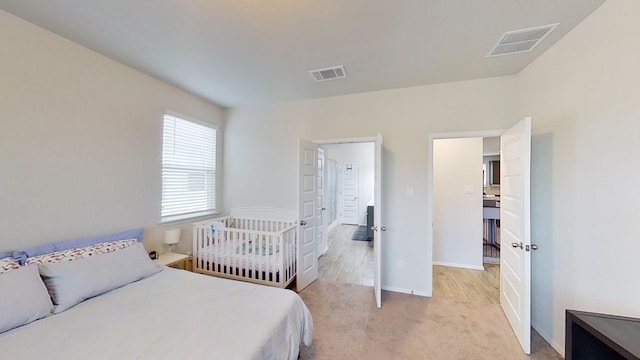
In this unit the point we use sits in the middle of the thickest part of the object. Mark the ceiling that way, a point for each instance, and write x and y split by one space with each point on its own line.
246 52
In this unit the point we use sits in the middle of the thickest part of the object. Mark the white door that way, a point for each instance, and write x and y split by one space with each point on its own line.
378 224
349 176
307 198
321 214
515 257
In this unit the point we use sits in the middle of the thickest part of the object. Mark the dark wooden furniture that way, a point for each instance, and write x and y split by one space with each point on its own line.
370 221
591 336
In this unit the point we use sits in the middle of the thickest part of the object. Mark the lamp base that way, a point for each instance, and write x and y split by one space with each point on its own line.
170 249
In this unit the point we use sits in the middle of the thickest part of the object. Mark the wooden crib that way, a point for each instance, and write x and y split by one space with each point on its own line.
258 245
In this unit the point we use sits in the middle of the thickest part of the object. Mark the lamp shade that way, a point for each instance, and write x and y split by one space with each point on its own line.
172 236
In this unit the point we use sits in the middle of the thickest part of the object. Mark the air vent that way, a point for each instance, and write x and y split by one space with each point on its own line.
332 73
519 41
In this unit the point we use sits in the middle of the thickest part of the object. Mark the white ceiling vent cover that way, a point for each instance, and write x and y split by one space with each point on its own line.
332 73
519 41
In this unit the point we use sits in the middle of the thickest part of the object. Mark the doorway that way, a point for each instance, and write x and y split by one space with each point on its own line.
467 188
515 175
348 198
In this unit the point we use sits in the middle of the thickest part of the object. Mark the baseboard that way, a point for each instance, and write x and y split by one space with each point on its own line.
463 266
406 291
332 225
549 339
491 260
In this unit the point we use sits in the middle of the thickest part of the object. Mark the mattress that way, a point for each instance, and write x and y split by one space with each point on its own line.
240 259
173 314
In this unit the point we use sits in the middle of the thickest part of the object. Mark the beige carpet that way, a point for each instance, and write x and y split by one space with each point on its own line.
347 325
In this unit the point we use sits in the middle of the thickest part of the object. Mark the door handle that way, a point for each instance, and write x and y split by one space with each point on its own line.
517 245
383 228
323 209
375 228
303 223
532 247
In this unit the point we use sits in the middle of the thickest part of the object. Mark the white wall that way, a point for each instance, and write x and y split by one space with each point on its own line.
361 154
457 216
583 94
80 140
491 146
261 154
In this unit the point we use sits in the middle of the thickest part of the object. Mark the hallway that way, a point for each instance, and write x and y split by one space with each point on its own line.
347 261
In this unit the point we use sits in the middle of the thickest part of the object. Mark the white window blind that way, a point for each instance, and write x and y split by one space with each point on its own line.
188 169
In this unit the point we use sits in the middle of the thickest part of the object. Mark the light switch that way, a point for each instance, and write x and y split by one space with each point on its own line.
409 191
468 189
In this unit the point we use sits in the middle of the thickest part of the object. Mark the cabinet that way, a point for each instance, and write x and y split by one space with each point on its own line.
177 261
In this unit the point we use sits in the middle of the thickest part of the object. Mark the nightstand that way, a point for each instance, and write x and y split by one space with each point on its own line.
177 261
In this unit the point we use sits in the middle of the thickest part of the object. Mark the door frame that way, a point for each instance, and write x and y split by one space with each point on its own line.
371 139
432 137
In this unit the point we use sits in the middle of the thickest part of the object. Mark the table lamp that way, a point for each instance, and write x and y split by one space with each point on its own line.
171 237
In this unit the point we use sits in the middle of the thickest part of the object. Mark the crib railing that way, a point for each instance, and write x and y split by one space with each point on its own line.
256 250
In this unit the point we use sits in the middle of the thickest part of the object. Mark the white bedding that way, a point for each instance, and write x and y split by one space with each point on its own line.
173 314
210 254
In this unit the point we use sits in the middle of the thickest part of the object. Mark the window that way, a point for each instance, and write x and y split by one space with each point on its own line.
188 169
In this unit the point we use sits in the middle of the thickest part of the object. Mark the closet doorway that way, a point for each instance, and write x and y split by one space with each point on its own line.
466 199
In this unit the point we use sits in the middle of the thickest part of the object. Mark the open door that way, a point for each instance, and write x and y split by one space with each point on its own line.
307 198
515 230
321 215
378 227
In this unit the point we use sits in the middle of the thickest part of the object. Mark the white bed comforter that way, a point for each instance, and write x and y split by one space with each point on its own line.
173 314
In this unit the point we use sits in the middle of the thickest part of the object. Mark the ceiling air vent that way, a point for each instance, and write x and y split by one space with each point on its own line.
332 73
519 41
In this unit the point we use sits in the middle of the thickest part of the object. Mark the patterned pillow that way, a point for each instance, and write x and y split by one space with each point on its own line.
7 264
81 253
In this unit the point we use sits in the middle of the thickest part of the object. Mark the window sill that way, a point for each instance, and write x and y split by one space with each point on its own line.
175 219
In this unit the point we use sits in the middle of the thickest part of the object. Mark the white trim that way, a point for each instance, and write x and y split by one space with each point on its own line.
490 260
431 137
345 141
466 134
549 339
332 225
188 218
462 266
406 291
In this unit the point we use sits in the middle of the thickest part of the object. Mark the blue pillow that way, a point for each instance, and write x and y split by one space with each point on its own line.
22 255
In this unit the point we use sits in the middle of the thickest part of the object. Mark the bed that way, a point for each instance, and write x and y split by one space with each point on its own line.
168 314
257 245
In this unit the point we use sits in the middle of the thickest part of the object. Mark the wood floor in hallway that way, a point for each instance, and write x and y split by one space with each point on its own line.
467 285
347 261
